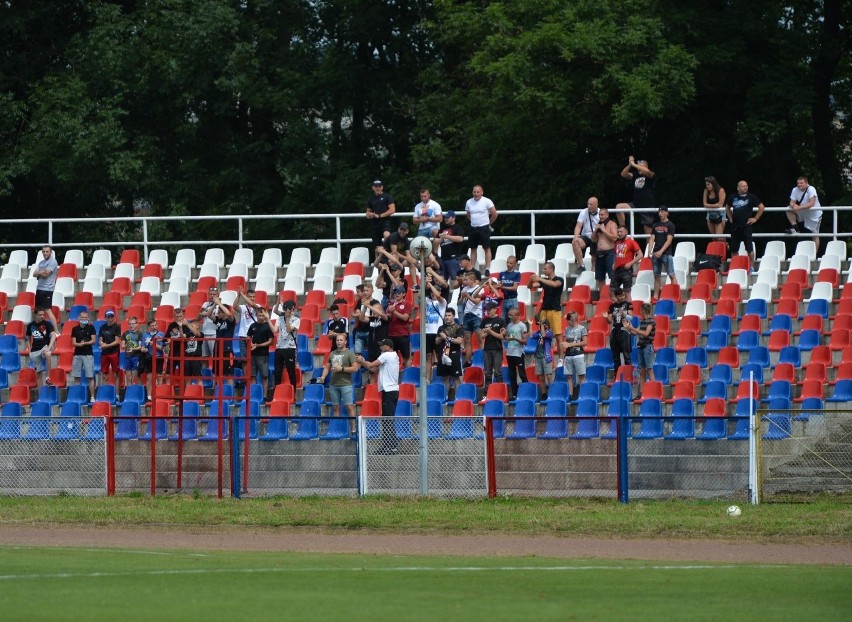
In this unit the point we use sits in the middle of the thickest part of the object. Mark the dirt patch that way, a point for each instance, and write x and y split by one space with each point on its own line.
312 541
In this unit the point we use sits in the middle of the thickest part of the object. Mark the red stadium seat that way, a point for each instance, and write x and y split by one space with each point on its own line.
130 255
718 248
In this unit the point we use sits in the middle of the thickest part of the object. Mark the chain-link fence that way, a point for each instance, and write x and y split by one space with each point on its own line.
52 455
804 452
555 456
390 458
296 456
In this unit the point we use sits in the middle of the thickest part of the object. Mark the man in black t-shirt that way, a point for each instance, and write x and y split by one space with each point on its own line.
380 207
619 338
262 337
492 331
552 287
336 324
644 183
42 336
740 211
661 243
450 240
83 338
180 335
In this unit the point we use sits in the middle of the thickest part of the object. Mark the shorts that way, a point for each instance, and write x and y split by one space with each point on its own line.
479 236
192 367
807 223
343 394
646 357
84 363
131 363
717 216
208 345
37 356
402 344
430 342
43 299
555 320
623 278
471 322
604 261
379 229
575 364
543 367
666 261
109 360
360 338
646 219
587 243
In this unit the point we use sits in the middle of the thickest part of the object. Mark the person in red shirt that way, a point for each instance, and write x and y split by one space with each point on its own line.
627 255
399 328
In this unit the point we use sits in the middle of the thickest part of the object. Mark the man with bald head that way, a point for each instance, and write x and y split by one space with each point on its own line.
587 223
740 210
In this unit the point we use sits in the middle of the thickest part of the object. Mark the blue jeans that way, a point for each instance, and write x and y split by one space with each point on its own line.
508 305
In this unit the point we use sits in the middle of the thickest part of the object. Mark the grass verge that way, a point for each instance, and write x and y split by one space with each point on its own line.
825 518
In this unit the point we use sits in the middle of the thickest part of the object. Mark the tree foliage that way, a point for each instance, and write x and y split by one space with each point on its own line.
288 106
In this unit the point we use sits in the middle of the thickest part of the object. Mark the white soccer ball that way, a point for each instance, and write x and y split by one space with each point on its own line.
734 510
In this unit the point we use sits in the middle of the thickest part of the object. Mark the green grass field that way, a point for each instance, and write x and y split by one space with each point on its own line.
108 585
112 585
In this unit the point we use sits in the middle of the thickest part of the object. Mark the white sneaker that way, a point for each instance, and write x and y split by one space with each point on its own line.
560 363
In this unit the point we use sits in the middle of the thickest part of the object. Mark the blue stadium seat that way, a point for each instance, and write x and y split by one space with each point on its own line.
616 408
77 393
436 391
666 307
527 391
742 425
588 390
126 429
747 340
790 354
604 357
682 428
715 388
466 391
818 306
556 428
756 306
94 430
435 410
305 359
759 356
523 428
160 426
10 421
136 393
651 424
812 404
559 391
48 394
696 356
779 388
666 356
842 392
722 372
721 323
587 428
189 429
278 429
809 339
778 421
496 408
750 368
69 422
411 375
780 322
39 420
307 424
661 373
338 428
10 362
253 419
619 391
106 393
214 423
717 339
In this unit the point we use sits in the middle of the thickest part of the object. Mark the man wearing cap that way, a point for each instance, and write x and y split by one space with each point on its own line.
387 364
399 328
427 215
661 243
492 332
482 213
380 207
450 240
109 339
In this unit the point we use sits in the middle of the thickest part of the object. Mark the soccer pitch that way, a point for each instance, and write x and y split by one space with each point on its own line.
94 584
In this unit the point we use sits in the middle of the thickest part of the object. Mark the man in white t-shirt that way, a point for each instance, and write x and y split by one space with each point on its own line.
482 214
587 222
388 385
427 215
804 211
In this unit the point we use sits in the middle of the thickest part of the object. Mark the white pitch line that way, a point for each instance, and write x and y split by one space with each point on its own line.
201 571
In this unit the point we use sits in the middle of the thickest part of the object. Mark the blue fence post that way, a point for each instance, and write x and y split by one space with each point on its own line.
623 470
235 458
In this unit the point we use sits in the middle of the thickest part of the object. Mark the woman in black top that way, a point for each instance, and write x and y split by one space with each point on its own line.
714 203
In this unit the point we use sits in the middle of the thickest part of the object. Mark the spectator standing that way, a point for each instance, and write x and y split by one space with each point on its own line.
399 326
482 214
470 300
451 242
42 338
804 212
45 274
183 345
644 183
396 249
341 364
208 313
552 287
109 340
448 348
380 207
387 365
336 325
508 283
619 338
436 307
83 339
286 343
714 203
223 353
516 338
133 348
389 277
627 255
492 331
262 337
645 333
543 355
246 311
661 243
604 238
740 209
151 352
576 339
427 215
587 224
378 319
361 332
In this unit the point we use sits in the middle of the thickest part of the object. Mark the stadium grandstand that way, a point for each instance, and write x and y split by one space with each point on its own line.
777 332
